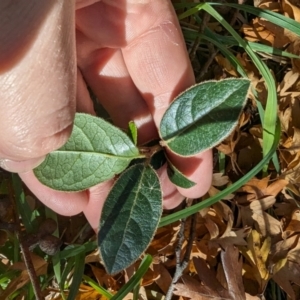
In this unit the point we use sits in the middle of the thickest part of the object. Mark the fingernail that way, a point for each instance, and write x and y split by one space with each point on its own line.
20 166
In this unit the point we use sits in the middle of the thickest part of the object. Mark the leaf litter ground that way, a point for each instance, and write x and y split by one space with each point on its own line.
244 247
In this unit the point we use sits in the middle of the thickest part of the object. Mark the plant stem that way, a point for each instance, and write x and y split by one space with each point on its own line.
180 266
30 269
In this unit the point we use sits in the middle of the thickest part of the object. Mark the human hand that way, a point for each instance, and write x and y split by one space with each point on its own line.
132 55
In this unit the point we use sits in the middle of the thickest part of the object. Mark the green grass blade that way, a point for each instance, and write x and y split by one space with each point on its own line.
77 276
67 269
269 15
97 287
22 205
260 48
194 208
135 279
74 250
136 292
228 41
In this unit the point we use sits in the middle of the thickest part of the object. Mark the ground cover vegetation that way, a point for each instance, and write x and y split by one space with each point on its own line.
241 241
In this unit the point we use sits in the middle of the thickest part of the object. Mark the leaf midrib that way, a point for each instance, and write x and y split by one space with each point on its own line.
132 209
78 152
181 131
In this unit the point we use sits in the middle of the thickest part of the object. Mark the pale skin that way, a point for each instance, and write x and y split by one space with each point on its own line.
131 53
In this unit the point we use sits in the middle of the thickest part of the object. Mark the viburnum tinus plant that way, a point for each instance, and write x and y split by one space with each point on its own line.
198 119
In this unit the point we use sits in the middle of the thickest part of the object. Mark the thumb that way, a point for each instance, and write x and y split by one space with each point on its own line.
37 80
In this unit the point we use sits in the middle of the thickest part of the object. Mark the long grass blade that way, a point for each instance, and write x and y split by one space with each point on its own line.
97 287
135 279
77 276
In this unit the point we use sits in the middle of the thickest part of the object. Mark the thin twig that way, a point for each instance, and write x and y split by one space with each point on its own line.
193 49
181 265
212 55
236 13
30 269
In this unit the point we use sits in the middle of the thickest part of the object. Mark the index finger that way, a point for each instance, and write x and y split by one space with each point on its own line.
157 60
158 63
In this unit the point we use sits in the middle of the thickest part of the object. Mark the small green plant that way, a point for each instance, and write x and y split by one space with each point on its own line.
198 119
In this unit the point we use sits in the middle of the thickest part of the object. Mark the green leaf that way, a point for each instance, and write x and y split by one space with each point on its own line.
178 178
130 216
204 115
133 132
95 152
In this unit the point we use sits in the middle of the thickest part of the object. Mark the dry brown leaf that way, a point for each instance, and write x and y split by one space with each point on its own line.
294 253
286 275
234 237
266 224
290 78
281 249
165 279
206 250
257 254
227 283
229 236
214 191
151 276
208 277
293 226
248 151
219 179
104 279
163 242
257 33
249 67
285 208
86 293
40 266
232 266
256 187
258 206
226 65
291 10
267 32
182 290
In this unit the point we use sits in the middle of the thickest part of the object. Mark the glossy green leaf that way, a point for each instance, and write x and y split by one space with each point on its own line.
204 115
133 131
95 152
130 216
178 178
